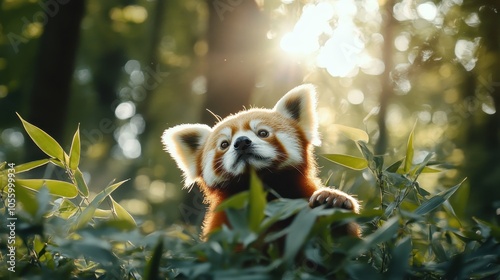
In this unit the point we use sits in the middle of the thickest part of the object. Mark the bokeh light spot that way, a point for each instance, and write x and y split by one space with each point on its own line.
125 110
355 97
427 11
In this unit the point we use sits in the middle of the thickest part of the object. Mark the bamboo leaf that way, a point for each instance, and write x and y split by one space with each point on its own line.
428 169
27 198
420 167
66 208
30 165
152 269
393 168
123 215
89 211
236 201
257 202
351 162
55 187
74 154
352 133
409 151
297 233
44 141
429 205
80 183
436 200
384 233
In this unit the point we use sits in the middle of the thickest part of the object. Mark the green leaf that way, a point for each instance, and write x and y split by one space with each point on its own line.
281 209
399 261
429 205
55 187
488 229
363 147
409 151
43 200
57 163
123 215
152 270
74 154
351 162
393 168
66 208
397 180
446 194
89 211
27 199
428 169
382 234
420 167
30 165
236 201
298 232
80 183
435 201
352 133
257 202
439 250
44 141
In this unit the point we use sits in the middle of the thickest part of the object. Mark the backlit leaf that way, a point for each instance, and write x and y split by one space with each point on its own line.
74 154
44 141
352 133
80 183
55 187
89 211
355 163
257 202
409 151
123 215
30 165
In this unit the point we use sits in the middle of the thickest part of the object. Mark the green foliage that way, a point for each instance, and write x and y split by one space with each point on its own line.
409 234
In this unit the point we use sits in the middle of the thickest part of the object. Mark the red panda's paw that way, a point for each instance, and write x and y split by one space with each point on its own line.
333 198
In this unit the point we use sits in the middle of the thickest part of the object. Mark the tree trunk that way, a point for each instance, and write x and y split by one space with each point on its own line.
387 85
236 37
54 69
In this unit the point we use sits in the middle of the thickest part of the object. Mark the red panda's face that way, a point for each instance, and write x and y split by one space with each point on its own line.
271 139
257 138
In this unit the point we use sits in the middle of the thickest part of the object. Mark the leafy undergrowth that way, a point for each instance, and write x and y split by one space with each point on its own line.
61 233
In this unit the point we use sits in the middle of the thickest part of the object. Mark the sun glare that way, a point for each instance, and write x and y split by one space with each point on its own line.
341 50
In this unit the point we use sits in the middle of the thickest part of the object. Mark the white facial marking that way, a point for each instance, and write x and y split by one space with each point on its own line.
254 124
208 172
292 149
226 131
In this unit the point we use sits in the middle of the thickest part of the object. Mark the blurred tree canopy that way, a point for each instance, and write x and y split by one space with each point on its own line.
125 70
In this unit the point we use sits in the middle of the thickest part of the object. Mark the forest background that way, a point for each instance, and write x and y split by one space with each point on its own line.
124 71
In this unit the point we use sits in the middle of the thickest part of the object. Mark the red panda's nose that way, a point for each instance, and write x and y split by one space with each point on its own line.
242 143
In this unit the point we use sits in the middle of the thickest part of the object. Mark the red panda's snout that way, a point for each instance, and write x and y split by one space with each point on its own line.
249 149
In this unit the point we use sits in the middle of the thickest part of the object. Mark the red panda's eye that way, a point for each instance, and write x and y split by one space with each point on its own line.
263 133
224 145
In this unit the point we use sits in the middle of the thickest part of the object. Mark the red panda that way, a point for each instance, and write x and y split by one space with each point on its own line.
277 143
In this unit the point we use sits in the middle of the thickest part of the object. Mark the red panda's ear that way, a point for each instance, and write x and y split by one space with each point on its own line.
299 104
184 142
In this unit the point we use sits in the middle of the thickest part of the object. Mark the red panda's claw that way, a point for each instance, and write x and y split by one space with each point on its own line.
333 198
